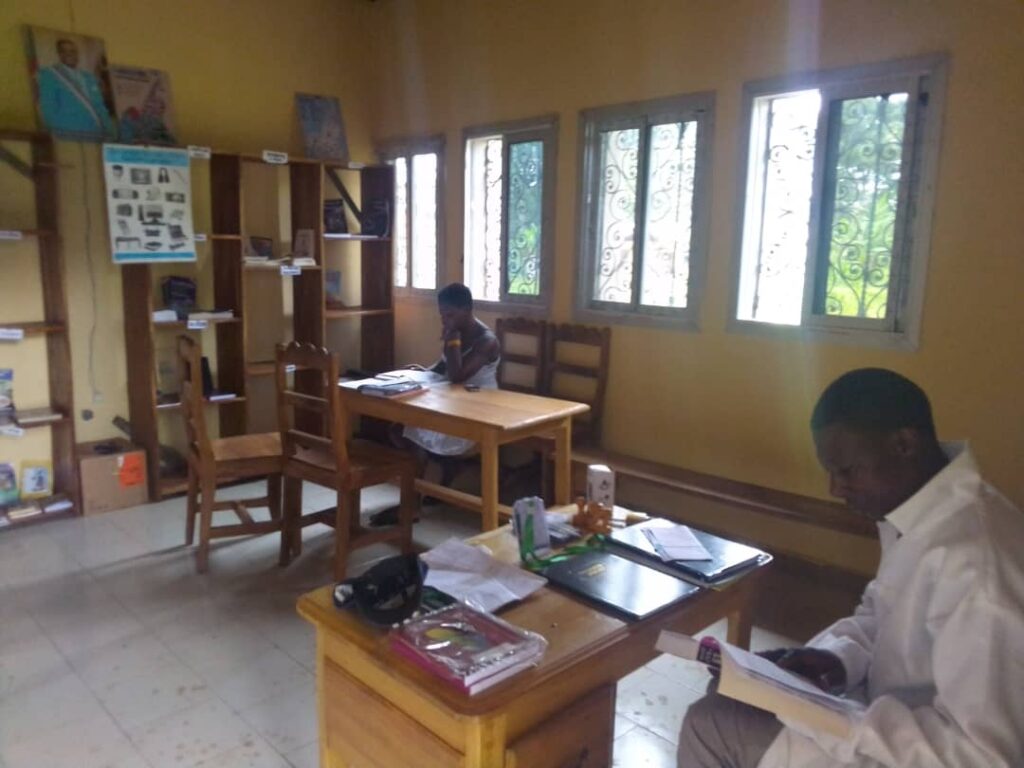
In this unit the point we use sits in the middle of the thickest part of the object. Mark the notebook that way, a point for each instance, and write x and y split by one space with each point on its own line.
727 557
631 590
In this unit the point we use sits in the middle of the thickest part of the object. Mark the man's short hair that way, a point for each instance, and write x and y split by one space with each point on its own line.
65 41
455 295
876 400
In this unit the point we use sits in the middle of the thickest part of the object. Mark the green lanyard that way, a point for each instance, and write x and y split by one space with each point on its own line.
534 562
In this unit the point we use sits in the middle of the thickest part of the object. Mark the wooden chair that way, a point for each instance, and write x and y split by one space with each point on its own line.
333 461
224 459
581 377
523 350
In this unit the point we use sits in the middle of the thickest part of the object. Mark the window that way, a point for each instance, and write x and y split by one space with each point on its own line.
509 203
416 240
644 208
835 212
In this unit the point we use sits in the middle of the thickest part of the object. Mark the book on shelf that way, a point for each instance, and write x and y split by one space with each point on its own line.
165 316
6 396
30 417
332 289
211 314
755 680
56 503
216 395
23 510
468 649
8 483
302 261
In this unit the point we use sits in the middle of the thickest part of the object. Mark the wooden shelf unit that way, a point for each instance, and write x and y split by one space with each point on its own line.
306 181
42 170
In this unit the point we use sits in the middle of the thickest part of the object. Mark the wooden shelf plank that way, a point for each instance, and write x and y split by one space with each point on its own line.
338 314
177 403
40 425
277 268
43 517
36 328
225 237
356 238
182 324
25 233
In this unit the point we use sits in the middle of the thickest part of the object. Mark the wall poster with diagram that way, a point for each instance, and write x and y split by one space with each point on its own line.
149 203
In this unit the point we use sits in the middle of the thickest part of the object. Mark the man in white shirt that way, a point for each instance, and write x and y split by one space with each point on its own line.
936 647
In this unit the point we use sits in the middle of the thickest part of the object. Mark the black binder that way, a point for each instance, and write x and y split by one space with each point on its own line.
629 589
728 557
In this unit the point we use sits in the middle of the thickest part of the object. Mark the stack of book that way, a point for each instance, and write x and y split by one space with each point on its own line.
31 417
468 649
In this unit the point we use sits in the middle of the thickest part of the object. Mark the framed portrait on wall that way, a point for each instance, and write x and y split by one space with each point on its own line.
70 84
142 97
323 130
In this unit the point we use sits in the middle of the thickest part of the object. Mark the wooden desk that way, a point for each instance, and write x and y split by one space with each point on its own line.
489 417
377 710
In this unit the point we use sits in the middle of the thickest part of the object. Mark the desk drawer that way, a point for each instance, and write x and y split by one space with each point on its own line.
364 730
578 737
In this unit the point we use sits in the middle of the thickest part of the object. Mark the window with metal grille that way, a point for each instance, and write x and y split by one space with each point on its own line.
836 205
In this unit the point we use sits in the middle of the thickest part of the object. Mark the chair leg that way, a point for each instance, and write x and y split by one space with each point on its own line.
191 507
342 534
207 489
274 496
355 502
407 511
291 531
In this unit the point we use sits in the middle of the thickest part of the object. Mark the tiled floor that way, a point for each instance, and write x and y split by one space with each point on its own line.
114 653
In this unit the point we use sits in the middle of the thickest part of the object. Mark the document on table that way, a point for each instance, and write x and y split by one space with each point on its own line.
423 378
676 543
471 575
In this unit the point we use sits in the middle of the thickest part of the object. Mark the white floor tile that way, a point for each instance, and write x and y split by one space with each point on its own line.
36 711
95 742
307 757
287 721
255 754
655 702
639 748
192 735
220 649
151 695
259 678
29 662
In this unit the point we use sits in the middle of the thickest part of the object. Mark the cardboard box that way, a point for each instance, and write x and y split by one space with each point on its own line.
113 475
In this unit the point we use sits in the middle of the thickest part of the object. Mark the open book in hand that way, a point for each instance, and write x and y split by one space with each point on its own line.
754 680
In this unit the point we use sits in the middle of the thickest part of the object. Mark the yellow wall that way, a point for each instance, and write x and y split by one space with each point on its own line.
234 69
717 402
714 401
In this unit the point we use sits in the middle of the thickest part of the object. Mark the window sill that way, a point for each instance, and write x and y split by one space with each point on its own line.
905 341
511 309
688 322
421 295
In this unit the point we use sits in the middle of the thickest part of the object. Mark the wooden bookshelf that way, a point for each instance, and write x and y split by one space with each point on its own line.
41 171
233 288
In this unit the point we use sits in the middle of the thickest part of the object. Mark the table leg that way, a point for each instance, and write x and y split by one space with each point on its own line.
738 625
563 462
489 483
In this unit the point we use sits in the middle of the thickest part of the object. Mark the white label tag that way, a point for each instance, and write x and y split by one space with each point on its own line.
199 153
12 431
199 237
287 271
12 334
290 368
275 158
10 234
198 325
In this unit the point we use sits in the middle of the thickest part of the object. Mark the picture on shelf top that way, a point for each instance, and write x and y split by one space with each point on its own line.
149 203
70 84
142 98
323 130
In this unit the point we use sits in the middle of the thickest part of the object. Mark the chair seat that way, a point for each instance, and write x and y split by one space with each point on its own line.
266 445
366 459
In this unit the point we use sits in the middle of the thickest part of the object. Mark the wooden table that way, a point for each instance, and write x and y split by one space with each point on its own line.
489 417
377 710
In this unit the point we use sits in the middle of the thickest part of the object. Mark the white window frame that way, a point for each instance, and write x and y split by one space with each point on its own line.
698 107
544 129
388 152
924 80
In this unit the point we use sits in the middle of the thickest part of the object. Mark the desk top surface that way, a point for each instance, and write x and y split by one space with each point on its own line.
494 408
576 633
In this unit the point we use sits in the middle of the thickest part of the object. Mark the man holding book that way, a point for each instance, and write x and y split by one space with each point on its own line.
935 648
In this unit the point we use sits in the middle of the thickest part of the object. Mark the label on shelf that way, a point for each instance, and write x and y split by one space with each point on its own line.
10 234
199 153
275 158
11 430
290 368
198 325
287 271
12 334
199 237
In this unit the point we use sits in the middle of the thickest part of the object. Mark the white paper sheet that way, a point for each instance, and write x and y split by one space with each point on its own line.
473 576
424 378
676 543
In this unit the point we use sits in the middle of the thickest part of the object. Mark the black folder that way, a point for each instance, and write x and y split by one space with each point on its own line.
728 557
631 590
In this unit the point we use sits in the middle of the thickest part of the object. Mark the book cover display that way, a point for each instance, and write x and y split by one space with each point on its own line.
323 130
149 204
6 396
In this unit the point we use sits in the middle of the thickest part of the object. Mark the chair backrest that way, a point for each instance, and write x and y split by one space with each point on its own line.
315 393
190 388
577 369
523 352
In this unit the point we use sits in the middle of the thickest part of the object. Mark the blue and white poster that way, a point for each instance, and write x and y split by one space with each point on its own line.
149 203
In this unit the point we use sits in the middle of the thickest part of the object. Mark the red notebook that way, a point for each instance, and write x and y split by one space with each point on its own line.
469 649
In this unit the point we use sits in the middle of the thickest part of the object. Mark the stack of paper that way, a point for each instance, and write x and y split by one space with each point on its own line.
676 543
472 576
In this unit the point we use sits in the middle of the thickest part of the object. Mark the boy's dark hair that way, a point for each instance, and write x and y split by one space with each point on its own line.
455 295
874 399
